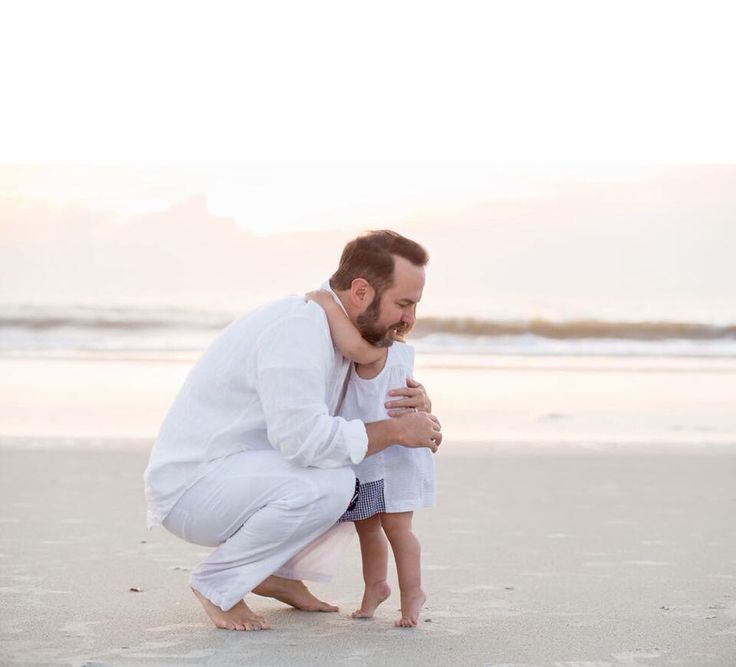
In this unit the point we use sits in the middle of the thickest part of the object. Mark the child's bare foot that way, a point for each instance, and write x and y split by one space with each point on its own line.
240 617
373 595
292 592
411 605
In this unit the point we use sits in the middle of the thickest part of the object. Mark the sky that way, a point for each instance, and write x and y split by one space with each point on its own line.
568 158
275 199
561 243
397 82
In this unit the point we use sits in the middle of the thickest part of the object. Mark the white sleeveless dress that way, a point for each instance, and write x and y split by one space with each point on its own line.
397 479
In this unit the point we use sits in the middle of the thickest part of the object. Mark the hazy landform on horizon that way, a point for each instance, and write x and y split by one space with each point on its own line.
656 249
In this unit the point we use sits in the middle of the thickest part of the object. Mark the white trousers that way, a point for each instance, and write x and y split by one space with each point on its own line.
265 516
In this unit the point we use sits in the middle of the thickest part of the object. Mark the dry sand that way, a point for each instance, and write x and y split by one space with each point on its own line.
585 557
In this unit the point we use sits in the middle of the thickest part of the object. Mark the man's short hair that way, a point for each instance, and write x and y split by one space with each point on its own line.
371 257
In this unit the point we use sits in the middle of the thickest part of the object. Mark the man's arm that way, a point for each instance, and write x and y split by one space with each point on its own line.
291 371
413 429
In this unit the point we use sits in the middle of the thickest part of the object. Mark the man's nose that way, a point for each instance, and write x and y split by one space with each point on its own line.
408 318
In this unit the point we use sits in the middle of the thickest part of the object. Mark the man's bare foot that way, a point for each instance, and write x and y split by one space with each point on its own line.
373 595
240 617
293 593
411 605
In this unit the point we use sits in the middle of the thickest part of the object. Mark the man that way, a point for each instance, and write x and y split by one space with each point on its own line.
250 458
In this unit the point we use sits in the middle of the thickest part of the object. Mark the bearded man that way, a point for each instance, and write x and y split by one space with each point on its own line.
251 459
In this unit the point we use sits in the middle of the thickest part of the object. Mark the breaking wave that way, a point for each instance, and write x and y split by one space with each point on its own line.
29 329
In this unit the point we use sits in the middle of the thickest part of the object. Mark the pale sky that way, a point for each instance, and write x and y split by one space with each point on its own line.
275 199
615 243
500 82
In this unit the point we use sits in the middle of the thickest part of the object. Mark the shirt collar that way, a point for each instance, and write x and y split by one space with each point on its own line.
326 287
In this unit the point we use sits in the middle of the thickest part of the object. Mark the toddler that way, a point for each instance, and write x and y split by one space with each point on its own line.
393 482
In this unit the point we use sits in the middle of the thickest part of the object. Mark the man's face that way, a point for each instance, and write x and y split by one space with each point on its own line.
395 309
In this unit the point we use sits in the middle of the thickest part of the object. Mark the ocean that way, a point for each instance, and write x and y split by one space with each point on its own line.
59 331
73 374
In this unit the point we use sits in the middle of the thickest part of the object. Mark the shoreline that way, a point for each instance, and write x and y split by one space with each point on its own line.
553 400
456 449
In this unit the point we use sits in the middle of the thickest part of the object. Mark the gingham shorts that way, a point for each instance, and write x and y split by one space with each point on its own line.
370 501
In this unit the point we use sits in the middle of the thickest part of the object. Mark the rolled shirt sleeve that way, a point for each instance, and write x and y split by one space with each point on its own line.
294 382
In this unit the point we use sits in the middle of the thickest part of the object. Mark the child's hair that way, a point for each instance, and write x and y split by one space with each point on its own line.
371 257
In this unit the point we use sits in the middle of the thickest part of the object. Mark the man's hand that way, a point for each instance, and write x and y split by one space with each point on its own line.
419 429
412 398
411 429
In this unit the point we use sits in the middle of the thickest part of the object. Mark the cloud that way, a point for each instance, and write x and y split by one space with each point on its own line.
184 255
655 247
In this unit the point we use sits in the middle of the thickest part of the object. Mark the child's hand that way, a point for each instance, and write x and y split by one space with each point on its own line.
320 297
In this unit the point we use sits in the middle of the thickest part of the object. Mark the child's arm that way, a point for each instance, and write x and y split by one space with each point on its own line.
346 336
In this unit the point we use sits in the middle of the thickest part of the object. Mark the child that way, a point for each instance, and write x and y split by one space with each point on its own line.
393 482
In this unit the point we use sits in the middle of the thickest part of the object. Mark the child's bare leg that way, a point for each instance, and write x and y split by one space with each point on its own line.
374 552
407 554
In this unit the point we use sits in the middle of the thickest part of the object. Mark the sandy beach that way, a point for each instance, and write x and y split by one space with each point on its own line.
555 548
554 558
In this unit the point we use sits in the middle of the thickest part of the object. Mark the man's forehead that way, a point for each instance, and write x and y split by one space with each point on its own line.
408 280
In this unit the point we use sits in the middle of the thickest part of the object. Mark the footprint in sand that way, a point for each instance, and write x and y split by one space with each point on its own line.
647 563
632 658
80 629
177 626
476 589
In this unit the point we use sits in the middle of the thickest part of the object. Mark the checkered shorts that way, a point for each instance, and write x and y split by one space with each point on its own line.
370 501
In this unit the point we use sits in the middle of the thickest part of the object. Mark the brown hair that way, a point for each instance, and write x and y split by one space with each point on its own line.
371 257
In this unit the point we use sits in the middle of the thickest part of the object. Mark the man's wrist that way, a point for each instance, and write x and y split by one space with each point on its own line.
396 432
381 434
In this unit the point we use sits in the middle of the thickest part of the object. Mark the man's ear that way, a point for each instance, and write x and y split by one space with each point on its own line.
361 293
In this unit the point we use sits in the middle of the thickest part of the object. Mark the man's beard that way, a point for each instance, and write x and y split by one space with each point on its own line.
375 335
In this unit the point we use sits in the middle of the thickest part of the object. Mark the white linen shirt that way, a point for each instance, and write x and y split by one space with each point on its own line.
271 379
